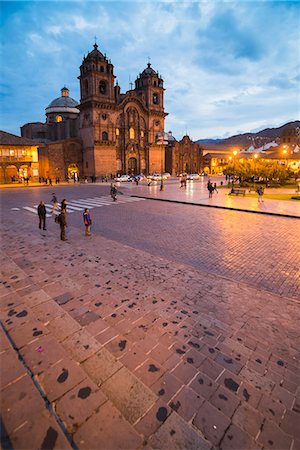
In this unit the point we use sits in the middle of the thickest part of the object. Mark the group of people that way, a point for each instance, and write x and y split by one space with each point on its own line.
211 188
61 217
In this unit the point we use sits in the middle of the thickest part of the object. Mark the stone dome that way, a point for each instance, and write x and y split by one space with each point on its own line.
95 54
148 71
64 103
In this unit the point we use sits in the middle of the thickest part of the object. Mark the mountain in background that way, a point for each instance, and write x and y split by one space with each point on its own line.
245 140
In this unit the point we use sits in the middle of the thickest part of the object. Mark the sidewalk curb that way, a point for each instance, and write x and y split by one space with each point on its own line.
217 206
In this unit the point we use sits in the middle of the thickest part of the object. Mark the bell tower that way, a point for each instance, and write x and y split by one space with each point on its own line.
96 78
150 85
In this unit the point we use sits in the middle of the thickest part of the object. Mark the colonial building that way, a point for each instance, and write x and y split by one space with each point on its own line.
107 132
18 158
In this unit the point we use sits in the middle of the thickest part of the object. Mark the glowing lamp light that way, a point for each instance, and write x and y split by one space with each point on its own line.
255 155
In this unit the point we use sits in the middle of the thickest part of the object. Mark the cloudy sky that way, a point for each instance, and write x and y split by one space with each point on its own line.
229 67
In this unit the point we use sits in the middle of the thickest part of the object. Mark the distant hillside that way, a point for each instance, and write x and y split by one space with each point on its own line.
247 139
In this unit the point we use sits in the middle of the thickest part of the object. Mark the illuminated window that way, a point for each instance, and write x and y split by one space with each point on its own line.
58 119
131 133
142 134
11 153
117 132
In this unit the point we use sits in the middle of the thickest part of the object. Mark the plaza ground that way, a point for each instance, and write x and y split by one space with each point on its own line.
173 326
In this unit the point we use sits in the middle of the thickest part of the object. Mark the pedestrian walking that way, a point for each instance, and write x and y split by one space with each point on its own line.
210 189
87 221
260 193
215 188
41 209
55 203
113 192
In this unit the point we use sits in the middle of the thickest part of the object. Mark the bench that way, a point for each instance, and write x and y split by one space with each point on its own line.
237 191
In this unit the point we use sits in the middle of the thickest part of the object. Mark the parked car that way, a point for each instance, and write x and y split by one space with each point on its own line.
193 176
167 175
123 178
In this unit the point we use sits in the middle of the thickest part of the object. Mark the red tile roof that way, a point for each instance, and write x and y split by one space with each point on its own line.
12 139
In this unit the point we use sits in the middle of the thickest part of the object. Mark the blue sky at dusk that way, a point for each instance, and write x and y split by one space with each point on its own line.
228 67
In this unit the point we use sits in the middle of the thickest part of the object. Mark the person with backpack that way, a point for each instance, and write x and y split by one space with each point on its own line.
41 209
87 222
61 220
113 192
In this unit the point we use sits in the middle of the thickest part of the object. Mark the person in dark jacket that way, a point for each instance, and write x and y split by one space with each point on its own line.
41 209
61 219
63 205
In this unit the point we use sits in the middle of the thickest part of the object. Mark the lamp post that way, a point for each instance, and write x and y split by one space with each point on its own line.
230 159
255 156
234 155
162 142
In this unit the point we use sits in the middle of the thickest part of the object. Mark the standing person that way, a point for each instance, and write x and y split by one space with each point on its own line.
87 221
113 192
63 205
61 220
215 187
210 189
55 203
260 193
41 209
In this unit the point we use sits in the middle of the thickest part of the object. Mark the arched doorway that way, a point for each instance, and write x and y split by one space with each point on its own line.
132 166
73 172
12 174
24 172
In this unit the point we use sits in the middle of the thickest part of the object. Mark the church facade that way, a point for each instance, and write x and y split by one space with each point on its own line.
107 132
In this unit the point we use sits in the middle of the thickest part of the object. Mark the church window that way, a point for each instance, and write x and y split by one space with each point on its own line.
104 116
101 69
87 165
154 83
155 99
58 119
117 132
104 136
102 87
142 134
131 133
86 87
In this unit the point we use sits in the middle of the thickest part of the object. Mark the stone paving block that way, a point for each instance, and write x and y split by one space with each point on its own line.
237 439
249 394
107 429
194 357
47 311
211 422
63 326
134 358
16 317
42 433
160 353
172 362
77 405
204 385
119 346
81 345
108 335
101 366
271 408
42 353
260 382
153 419
186 403
185 372
11 367
272 437
211 368
167 386
36 298
128 394
96 327
176 434
60 378
228 363
290 423
4 342
224 401
10 301
249 419
149 372
27 333
229 380
20 401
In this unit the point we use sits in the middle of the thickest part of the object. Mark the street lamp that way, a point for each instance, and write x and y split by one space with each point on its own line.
255 156
234 155
163 142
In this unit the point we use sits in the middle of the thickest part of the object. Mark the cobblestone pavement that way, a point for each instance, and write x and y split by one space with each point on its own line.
104 346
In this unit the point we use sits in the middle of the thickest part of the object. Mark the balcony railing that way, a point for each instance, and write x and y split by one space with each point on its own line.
16 158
